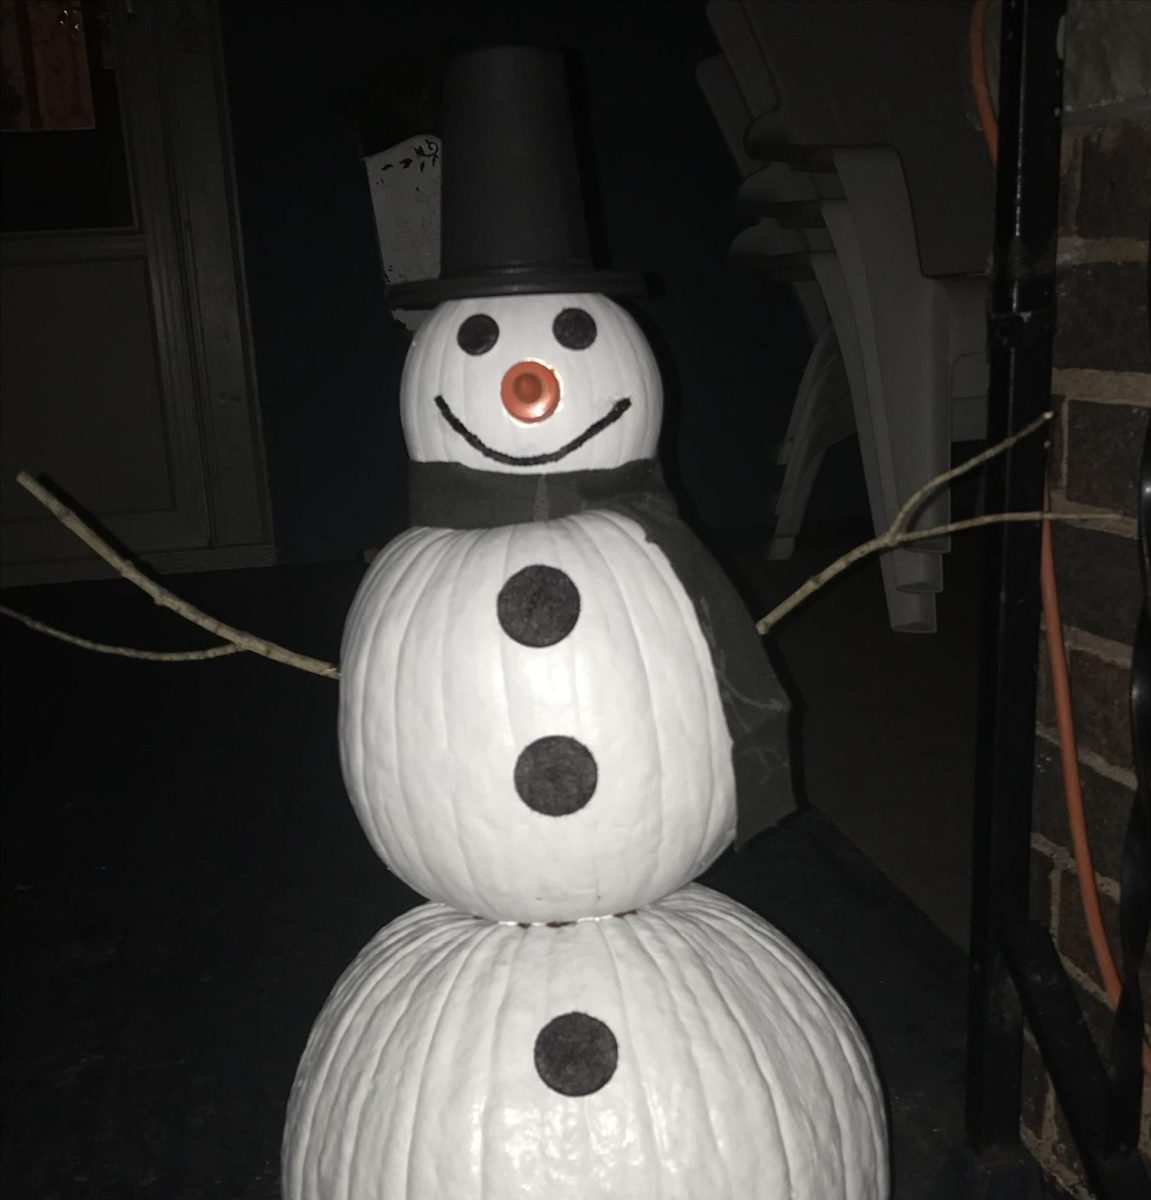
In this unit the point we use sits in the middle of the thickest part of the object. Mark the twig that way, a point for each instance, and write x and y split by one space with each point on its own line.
163 597
897 533
941 481
123 651
890 540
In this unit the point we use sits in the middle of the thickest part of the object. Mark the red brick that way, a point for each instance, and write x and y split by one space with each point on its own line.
1100 589
1101 319
1114 180
1106 808
1104 448
1055 450
1100 705
1070 170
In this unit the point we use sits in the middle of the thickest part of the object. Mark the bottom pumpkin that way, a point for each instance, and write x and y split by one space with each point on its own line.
686 1051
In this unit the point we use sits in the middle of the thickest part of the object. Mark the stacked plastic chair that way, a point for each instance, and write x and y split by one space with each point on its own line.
876 207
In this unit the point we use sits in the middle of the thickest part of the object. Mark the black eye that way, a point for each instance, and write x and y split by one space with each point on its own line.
574 329
478 334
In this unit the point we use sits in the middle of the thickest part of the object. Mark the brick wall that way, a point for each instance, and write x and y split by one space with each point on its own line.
1102 381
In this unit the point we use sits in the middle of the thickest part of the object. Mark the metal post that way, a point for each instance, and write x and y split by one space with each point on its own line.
1020 333
1015 967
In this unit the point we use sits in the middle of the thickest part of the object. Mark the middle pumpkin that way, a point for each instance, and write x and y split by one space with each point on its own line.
553 704
531 726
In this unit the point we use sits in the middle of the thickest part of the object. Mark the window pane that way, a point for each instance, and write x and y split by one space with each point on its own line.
74 178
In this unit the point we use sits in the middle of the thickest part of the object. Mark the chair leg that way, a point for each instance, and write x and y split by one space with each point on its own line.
905 320
905 573
882 444
798 481
822 416
908 612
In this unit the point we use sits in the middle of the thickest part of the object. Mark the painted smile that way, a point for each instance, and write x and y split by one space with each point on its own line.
531 460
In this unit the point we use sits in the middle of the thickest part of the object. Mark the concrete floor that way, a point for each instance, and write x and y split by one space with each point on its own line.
887 721
184 880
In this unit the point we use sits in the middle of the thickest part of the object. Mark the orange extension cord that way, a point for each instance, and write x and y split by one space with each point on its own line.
1056 649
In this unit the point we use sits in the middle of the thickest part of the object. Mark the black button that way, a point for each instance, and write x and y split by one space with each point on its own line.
538 606
556 776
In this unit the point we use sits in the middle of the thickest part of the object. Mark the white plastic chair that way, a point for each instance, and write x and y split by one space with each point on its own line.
916 369
821 416
912 345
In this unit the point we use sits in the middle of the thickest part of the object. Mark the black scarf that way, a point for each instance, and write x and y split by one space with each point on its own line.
452 496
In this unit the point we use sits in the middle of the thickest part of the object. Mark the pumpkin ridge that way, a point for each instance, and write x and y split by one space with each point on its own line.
445 351
328 1044
641 949
583 531
568 645
446 995
515 946
688 964
401 813
705 674
815 986
473 548
805 993
817 1050
767 1068
355 661
402 996
680 603
808 983
384 996
380 995
377 619
507 652
677 934
393 764
632 1065
370 621
569 526
503 642
644 366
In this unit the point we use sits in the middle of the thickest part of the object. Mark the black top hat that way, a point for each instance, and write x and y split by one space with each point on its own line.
511 217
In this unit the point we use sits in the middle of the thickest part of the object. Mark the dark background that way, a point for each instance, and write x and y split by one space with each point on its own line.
185 879
328 353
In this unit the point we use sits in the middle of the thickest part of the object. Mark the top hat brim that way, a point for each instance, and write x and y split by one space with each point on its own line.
426 293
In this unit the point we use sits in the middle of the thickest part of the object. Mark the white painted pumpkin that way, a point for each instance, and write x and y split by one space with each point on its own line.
685 1052
594 381
440 710
450 718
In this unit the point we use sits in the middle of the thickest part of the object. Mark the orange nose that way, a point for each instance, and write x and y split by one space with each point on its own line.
530 391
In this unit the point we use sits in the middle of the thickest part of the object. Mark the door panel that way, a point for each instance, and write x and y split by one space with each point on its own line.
78 349
125 376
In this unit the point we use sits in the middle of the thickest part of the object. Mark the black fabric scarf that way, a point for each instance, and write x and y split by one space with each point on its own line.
452 496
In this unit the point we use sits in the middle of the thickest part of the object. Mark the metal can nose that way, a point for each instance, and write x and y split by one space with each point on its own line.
530 391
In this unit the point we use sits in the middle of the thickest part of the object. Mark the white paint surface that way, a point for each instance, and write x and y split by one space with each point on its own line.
618 365
437 702
740 1076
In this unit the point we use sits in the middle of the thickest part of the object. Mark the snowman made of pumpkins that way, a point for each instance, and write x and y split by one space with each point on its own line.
554 713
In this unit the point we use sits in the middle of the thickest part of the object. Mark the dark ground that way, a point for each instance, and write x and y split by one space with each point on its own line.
184 880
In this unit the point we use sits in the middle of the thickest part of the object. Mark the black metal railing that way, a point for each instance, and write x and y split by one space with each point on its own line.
1015 968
